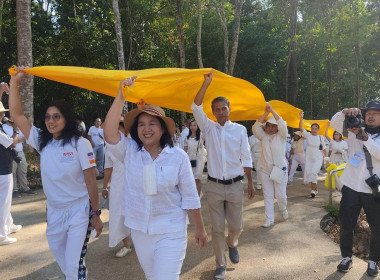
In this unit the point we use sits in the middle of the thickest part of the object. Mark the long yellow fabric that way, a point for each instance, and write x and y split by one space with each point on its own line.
174 88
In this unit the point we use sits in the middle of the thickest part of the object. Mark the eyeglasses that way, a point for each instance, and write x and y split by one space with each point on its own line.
55 117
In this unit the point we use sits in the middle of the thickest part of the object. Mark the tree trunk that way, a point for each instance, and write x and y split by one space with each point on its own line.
223 22
119 43
357 72
119 35
24 54
292 63
1 14
235 40
199 35
181 39
311 90
329 82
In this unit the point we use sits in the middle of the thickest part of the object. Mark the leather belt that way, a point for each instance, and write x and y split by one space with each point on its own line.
225 182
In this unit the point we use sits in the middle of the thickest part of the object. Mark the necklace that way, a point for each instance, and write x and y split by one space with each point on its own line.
154 155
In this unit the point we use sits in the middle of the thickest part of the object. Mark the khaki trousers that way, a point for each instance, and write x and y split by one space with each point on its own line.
225 202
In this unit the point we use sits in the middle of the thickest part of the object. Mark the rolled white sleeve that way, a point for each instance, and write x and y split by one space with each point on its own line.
33 138
200 116
258 130
187 187
337 122
119 149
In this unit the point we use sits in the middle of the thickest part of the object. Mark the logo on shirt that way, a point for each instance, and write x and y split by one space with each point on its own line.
67 157
91 157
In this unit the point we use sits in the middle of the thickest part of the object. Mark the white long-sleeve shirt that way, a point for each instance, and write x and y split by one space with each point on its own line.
227 146
273 147
354 177
176 190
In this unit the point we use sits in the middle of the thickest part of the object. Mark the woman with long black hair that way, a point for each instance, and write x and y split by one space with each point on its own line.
68 178
195 149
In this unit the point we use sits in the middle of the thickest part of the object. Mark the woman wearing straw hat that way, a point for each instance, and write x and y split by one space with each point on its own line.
159 188
297 155
273 163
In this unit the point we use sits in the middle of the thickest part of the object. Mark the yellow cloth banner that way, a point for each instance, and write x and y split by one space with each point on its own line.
174 88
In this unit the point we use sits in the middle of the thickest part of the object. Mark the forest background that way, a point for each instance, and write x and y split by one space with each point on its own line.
318 55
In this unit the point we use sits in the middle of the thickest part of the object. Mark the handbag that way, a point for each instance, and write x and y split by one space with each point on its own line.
277 174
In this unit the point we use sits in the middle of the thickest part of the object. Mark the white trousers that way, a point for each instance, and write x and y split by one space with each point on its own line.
297 159
160 255
6 188
255 161
67 232
272 190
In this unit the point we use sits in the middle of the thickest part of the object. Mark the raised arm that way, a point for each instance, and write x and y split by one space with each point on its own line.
301 122
111 123
201 93
15 107
266 113
327 132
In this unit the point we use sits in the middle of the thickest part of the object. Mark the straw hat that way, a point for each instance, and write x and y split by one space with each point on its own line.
299 133
2 109
153 110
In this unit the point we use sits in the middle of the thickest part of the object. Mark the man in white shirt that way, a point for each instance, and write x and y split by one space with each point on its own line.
184 133
358 192
6 181
228 158
96 137
20 168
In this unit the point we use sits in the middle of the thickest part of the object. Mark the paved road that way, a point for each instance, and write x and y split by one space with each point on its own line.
292 249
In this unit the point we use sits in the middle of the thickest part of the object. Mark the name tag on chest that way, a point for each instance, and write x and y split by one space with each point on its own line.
67 157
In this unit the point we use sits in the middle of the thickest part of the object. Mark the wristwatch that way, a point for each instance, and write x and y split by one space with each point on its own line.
16 132
97 212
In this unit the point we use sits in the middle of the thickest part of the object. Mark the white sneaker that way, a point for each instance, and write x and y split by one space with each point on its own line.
7 240
14 228
313 193
268 224
285 214
258 187
123 252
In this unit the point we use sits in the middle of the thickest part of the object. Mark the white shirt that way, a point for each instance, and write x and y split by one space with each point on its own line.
298 146
94 132
273 147
184 134
5 140
353 177
176 190
227 146
254 144
9 131
62 169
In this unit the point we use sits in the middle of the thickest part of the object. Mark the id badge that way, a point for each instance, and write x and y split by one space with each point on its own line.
149 179
356 159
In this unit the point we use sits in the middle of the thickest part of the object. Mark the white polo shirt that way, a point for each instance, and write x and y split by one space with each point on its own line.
95 133
9 131
62 169
227 146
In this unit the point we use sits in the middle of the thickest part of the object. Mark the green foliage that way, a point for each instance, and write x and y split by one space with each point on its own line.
33 172
341 34
332 209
